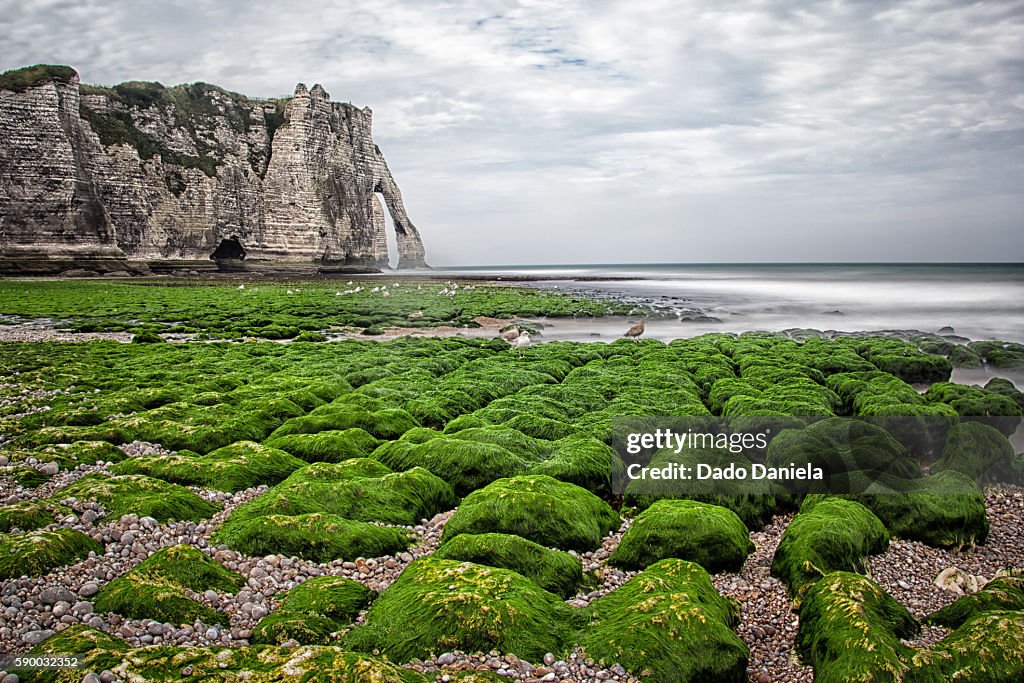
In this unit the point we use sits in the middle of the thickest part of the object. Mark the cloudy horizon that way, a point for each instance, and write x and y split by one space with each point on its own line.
610 132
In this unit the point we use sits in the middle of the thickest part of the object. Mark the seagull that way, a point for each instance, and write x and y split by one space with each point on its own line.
241 287
635 331
521 342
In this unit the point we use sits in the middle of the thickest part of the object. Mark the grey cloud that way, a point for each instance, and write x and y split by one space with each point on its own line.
567 130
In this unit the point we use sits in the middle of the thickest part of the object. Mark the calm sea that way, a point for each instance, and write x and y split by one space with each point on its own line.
978 301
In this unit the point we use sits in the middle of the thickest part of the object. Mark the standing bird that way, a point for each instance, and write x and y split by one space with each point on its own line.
635 331
521 342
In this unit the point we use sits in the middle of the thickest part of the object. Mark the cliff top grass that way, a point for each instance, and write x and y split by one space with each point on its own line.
20 80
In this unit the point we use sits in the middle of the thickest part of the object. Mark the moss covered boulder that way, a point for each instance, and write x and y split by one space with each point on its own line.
839 446
241 465
850 630
37 552
316 537
832 535
330 446
164 664
987 647
553 570
360 489
386 424
439 605
141 495
753 500
978 450
79 453
538 508
28 515
945 510
156 588
582 460
312 611
465 465
668 624
1003 593
710 535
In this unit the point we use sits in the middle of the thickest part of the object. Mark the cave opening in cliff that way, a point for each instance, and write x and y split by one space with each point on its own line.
389 232
229 249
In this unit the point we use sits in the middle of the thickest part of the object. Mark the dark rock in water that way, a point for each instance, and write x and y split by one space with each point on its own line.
699 319
836 312
100 178
946 330
79 272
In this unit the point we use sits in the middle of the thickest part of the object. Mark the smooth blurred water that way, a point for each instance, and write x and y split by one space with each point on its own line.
979 301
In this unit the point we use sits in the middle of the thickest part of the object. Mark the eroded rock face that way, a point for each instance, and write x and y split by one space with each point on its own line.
96 177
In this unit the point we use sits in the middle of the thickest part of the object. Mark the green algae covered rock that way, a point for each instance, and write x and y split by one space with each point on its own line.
28 515
359 489
710 535
838 446
1002 593
466 465
256 663
316 537
668 624
141 495
313 610
389 423
155 589
330 446
986 648
37 552
945 510
832 535
753 500
439 605
850 630
26 476
241 465
994 408
80 452
581 460
977 450
538 508
553 570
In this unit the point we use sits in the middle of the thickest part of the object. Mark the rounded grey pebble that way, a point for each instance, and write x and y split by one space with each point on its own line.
36 637
90 678
10 678
88 590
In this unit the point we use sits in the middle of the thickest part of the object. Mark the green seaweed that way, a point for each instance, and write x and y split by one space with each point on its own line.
37 552
709 535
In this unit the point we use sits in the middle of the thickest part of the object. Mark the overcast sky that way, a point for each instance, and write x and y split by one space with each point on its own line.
558 131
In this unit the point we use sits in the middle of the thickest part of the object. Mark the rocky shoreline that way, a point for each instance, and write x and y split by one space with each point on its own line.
34 609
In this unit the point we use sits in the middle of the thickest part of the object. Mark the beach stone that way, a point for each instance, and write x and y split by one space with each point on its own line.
36 637
53 595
